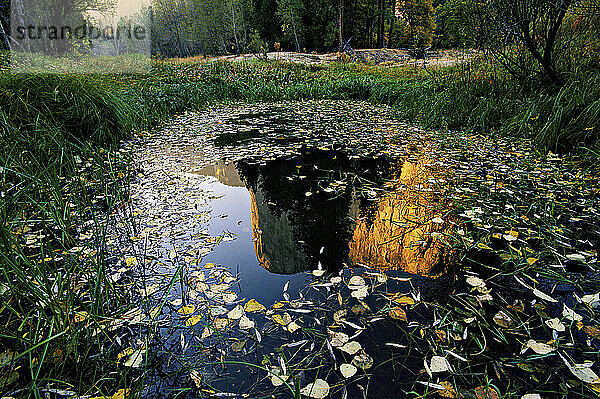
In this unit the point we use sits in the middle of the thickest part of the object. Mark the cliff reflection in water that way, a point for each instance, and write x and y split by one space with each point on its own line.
305 203
408 227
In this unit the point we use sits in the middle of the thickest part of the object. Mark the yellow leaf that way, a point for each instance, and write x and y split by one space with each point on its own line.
483 246
192 321
130 261
404 300
124 352
278 305
531 261
80 316
398 313
121 394
185 310
254 306
278 319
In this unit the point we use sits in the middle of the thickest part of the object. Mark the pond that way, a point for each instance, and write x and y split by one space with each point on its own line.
308 246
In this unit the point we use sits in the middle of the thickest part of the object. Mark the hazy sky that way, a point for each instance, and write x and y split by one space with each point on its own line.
129 7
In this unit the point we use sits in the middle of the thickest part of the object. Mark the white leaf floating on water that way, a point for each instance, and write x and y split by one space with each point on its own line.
136 358
582 371
246 323
555 324
217 311
336 280
292 327
538 347
543 296
360 293
338 339
347 370
570 314
356 282
318 273
475 281
437 220
229 297
318 389
531 396
592 300
277 376
350 347
439 364
236 312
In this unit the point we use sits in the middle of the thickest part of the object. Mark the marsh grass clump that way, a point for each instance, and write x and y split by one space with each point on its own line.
60 178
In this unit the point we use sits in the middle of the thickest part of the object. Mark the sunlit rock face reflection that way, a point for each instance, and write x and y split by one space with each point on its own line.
301 208
402 230
225 173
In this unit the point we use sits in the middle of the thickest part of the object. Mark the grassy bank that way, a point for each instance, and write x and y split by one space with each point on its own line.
59 180
62 174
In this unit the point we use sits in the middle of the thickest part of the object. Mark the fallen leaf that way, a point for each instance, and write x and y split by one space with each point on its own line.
592 331
197 378
338 339
236 313
220 323
237 346
136 358
192 321
356 282
363 361
347 370
254 306
503 320
576 257
439 364
570 314
475 281
350 347
186 310
448 391
246 323
543 296
531 396
398 313
582 371
538 347
486 393
555 324
404 300
292 327
360 293
318 389
277 376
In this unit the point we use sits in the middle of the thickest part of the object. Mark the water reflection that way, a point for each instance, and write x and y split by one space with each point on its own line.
408 227
302 207
312 209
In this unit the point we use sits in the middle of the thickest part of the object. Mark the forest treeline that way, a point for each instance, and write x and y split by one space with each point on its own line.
192 27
